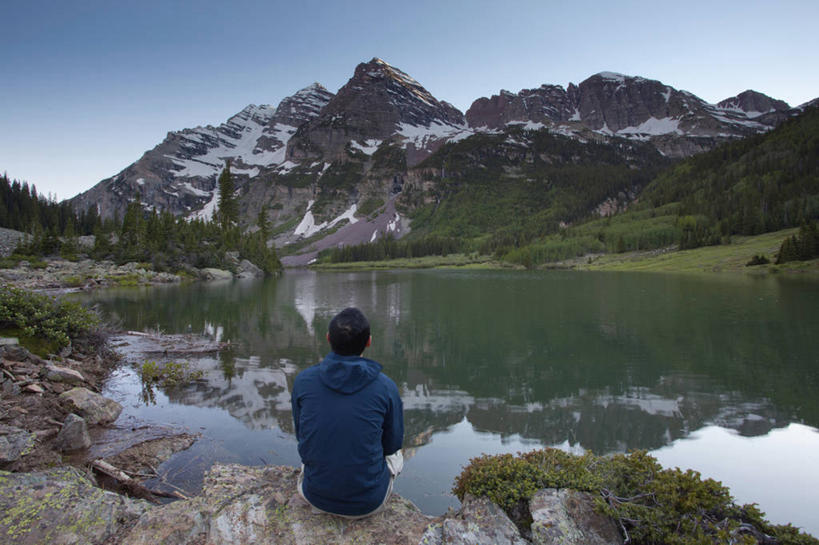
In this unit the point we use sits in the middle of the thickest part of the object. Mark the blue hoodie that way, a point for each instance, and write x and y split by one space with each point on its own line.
348 417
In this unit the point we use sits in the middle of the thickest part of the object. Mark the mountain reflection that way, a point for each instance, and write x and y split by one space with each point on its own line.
606 362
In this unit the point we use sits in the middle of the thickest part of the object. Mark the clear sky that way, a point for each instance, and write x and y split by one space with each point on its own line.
89 86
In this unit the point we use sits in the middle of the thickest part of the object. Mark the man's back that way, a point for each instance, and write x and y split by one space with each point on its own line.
348 417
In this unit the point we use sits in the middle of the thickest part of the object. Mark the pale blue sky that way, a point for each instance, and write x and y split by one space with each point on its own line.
89 86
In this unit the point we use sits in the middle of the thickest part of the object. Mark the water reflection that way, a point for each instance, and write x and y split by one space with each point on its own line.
603 362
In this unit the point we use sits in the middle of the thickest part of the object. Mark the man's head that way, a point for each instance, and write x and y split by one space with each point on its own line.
349 332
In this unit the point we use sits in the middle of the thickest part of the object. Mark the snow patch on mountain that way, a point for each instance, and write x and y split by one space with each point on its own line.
654 126
528 125
368 147
206 213
308 226
422 136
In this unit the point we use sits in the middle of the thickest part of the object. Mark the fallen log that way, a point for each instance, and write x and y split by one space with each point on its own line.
132 486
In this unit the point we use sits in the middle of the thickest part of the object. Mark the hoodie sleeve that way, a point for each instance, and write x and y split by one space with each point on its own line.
294 405
393 428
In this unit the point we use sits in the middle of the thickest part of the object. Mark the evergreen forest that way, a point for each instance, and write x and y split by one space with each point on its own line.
166 242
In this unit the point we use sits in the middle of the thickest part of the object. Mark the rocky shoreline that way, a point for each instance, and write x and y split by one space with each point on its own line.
56 274
49 406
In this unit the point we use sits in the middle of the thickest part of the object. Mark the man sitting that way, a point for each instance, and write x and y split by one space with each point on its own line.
349 423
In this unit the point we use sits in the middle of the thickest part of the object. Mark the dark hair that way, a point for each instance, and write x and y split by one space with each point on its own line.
349 332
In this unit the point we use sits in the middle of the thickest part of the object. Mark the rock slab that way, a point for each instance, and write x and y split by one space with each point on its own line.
252 505
55 373
61 507
94 408
568 517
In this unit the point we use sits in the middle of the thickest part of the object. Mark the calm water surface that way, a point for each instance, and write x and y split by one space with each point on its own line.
720 374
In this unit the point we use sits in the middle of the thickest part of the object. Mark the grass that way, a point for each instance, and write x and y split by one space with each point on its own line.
723 258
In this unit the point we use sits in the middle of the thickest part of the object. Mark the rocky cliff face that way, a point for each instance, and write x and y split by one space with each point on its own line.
677 122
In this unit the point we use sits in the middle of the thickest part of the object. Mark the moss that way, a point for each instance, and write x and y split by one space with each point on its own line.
651 504
25 516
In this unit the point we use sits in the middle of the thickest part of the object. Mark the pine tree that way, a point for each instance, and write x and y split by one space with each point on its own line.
263 223
228 212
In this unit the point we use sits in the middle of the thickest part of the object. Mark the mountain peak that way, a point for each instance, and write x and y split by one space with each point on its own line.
613 76
753 103
304 105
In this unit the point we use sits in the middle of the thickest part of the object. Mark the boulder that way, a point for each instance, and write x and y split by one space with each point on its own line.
15 352
14 443
61 506
73 435
246 269
94 408
478 521
210 273
55 373
242 504
568 517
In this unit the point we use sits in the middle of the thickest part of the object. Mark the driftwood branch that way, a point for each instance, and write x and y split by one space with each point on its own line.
132 486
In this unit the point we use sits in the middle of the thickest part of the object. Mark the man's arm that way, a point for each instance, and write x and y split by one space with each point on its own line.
393 429
294 406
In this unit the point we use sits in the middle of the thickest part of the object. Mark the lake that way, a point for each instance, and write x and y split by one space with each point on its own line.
716 373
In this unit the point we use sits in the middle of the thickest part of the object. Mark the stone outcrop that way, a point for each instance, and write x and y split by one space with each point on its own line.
61 506
242 504
94 408
255 505
478 521
568 517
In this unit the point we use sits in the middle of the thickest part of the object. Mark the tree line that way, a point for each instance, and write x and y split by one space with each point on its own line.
390 248
167 242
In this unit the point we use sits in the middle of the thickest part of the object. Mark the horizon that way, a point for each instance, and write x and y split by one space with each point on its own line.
94 86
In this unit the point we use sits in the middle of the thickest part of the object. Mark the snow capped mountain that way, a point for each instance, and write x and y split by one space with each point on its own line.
180 174
677 122
323 161
379 103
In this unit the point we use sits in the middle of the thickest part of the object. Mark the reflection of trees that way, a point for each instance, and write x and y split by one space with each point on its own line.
607 361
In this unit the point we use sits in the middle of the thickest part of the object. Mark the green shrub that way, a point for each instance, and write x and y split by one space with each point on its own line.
165 375
758 259
44 317
652 505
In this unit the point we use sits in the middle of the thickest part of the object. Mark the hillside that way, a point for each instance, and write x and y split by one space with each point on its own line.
761 184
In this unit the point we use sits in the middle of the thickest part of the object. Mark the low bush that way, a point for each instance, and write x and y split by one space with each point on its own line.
651 505
758 259
49 319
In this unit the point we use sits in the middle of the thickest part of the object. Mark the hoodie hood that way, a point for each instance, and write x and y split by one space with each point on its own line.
347 374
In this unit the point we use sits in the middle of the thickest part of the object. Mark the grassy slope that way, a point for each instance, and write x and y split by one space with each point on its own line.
709 259
723 258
